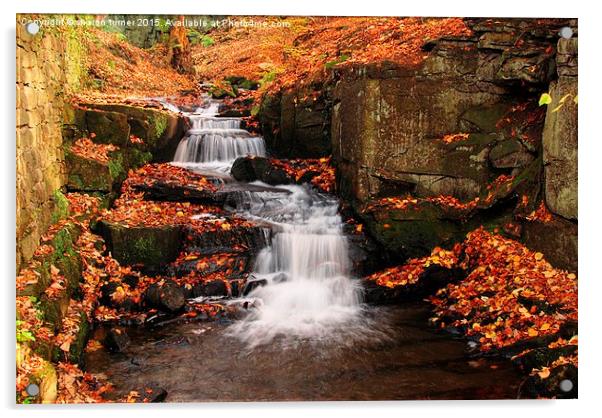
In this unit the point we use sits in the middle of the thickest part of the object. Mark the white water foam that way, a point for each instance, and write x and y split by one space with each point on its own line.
308 293
214 142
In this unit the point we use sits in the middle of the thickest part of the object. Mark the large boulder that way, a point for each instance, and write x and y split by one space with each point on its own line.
152 246
388 123
259 168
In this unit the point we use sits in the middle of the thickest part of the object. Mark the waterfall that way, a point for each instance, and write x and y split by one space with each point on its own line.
214 142
306 267
307 291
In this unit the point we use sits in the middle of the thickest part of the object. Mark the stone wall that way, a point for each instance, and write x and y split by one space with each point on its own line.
48 65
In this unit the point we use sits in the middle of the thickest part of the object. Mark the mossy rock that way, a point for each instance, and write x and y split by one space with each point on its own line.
242 82
64 257
160 130
413 232
78 345
87 175
54 309
109 127
152 246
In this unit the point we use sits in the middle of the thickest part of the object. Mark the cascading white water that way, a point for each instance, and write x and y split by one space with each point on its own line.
215 142
309 293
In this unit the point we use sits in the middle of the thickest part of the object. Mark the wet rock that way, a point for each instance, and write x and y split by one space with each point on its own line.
153 246
165 295
239 237
251 169
253 284
116 339
213 288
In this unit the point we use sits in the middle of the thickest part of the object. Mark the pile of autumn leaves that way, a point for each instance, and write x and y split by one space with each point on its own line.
510 295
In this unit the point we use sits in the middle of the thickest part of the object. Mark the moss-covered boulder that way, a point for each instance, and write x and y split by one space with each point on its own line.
152 246
414 231
159 130
88 175
109 127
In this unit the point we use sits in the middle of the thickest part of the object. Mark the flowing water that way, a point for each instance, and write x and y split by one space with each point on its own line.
308 335
214 143
309 293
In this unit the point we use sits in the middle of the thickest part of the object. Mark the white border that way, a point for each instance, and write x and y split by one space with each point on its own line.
590 155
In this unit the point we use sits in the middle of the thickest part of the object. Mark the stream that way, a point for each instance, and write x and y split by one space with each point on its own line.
308 336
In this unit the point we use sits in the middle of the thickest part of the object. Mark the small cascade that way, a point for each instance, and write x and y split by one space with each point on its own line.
214 142
308 292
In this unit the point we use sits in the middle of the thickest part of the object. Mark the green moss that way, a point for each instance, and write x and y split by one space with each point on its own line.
76 71
145 248
116 166
61 205
160 124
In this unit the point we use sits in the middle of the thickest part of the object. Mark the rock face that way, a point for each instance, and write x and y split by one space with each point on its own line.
393 128
560 135
453 124
296 123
